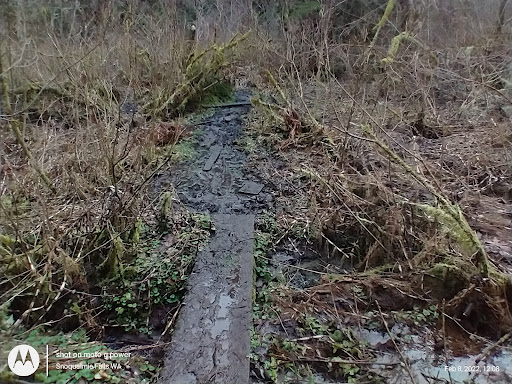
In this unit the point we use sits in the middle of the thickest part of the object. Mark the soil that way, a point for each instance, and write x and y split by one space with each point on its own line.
214 181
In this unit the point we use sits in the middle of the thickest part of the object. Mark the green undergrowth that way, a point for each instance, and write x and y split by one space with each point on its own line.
219 92
266 234
277 355
263 304
155 275
262 298
151 264
185 149
417 316
336 343
201 81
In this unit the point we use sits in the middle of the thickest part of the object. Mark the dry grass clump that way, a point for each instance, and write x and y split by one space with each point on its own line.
394 163
79 152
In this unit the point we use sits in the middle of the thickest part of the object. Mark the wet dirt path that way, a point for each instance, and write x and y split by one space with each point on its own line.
211 342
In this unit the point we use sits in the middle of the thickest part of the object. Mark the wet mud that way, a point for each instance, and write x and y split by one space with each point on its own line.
217 181
211 342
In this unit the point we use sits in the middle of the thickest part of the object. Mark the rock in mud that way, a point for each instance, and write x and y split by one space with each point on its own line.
251 188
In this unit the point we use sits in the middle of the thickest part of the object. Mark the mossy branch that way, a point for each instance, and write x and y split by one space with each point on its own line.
396 43
383 20
198 74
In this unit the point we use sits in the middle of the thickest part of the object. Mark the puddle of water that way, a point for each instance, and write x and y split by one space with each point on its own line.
222 322
427 364
371 337
429 367
224 303
220 326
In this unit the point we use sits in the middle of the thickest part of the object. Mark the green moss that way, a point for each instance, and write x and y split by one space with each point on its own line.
199 116
185 151
304 9
446 280
248 144
221 92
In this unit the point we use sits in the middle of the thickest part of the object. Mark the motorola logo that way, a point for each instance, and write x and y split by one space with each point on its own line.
23 360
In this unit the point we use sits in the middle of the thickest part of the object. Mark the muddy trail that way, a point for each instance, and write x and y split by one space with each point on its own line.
211 342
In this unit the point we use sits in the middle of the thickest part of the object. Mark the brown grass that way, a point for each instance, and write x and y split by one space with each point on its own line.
439 107
82 89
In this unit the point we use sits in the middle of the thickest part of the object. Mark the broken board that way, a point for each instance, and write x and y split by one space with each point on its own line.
213 158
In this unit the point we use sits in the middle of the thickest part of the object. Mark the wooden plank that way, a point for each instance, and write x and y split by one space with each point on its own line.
215 153
211 342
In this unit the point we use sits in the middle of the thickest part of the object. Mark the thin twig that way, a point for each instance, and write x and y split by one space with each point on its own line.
402 356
